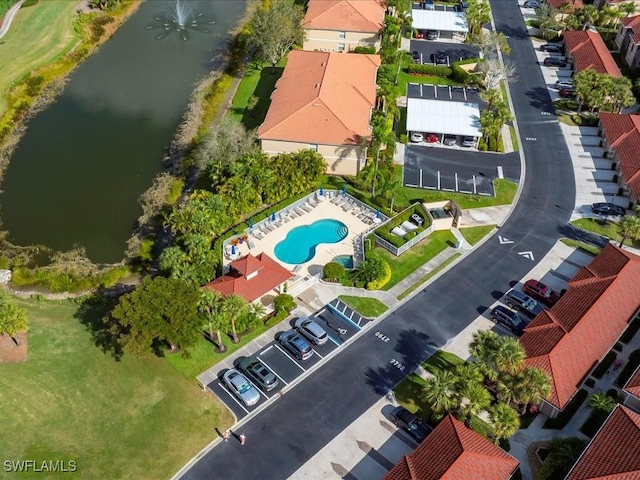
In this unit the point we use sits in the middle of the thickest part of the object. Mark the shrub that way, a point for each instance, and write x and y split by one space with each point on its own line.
111 277
631 331
629 368
501 144
564 416
604 364
383 279
403 138
493 146
284 302
482 145
577 119
367 50
333 271
436 70
34 83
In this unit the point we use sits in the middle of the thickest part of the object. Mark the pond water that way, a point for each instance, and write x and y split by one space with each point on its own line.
77 174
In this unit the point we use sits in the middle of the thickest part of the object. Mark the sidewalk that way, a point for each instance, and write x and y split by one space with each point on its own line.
8 18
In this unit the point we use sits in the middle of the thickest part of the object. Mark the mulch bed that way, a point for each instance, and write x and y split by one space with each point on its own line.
10 352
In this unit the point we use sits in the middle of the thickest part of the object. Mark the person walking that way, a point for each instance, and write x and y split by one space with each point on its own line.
226 436
243 439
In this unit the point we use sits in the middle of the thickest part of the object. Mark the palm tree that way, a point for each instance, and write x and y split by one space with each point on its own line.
532 386
507 388
439 393
13 319
509 356
468 373
628 8
602 402
233 307
474 398
482 347
629 227
371 269
505 421
210 306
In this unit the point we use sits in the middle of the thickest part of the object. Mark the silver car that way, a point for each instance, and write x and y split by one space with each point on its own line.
311 330
241 387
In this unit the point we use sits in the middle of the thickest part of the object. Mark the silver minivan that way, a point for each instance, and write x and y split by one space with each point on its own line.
311 330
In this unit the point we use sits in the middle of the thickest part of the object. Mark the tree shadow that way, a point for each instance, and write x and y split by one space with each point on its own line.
253 118
94 313
569 231
539 98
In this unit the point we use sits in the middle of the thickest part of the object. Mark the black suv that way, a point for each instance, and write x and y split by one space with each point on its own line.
509 319
551 48
554 62
523 302
409 422
259 373
604 208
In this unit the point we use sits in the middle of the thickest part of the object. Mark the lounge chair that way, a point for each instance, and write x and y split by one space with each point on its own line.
282 219
292 214
356 211
305 207
348 205
299 211
399 231
269 228
337 200
250 243
312 203
257 235
408 226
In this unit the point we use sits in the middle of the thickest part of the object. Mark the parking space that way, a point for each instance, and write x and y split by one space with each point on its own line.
444 92
337 319
453 51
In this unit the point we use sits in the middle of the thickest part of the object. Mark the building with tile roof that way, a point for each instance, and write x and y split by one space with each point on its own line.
621 134
586 49
569 340
454 452
612 454
323 102
628 40
566 5
632 390
342 25
251 277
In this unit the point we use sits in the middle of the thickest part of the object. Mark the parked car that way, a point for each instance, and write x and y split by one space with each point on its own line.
449 140
566 84
432 138
432 35
416 56
417 137
409 422
428 5
311 330
259 373
241 387
567 93
510 319
440 58
554 62
523 302
468 142
550 47
295 344
540 291
605 208
531 4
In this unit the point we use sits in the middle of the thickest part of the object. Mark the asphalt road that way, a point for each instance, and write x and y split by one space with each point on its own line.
294 428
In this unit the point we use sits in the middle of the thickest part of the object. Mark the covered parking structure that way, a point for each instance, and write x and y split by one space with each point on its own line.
441 117
448 24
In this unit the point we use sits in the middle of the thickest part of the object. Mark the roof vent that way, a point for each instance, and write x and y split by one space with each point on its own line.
317 105
317 85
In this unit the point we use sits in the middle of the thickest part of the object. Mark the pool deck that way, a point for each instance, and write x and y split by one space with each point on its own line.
325 252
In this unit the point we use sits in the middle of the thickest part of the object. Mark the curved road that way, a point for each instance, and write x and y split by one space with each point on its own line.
5 22
294 428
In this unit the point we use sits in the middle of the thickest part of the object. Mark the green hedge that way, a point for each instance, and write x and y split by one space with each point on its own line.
629 368
385 231
564 416
367 50
631 331
437 70
604 364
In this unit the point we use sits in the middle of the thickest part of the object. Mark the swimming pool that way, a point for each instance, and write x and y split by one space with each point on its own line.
300 244
345 260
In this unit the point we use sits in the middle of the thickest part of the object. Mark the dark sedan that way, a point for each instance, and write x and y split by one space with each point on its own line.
551 48
406 420
605 208
554 62
509 319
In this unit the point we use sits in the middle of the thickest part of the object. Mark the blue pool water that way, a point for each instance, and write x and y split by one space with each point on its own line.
300 244
345 260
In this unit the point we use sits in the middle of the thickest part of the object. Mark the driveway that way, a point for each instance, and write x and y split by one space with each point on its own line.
457 170
455 51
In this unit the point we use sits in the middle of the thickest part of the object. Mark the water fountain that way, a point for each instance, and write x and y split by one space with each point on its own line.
179 18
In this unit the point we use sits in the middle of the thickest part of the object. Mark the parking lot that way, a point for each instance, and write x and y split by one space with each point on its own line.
339 321
444 92
456 170
454 51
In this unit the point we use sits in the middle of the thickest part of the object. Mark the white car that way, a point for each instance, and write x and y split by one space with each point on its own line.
241 387
566 84
417 137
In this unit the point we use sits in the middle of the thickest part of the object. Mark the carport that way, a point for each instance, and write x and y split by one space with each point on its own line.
448 24
443 117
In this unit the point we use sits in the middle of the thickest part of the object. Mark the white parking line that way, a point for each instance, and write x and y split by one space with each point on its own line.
232 396
500 172
274 372
289 357
266 349
332 339
318 354
352 313
321 312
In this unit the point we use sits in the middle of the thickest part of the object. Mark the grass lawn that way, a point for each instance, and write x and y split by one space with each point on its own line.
38 35
584 246
258 80
442 360
417 256
428 276
514 138
474 234
133 418
609 229
409 394
366 306
405 78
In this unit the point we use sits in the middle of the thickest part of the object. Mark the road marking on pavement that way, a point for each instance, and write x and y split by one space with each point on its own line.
500 172
289 357
531 139
342 315
420 177
504 240
457 187
475 187
266 349
351 316
274 372
318 354
333 340
438 179
545 113
528 254
320 312
233 397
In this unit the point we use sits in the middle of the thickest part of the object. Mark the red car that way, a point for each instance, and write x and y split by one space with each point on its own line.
540 291
432 138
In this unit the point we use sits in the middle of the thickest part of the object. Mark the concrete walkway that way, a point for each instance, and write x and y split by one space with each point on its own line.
8 18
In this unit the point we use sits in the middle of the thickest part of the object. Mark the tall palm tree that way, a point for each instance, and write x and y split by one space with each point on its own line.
628 227
482 347
532 386
505 421
468 373
440 394
602 402
233 307
509 356
473 399
507 388
627 8
210 306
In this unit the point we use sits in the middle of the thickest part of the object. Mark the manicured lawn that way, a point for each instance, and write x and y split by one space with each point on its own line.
369 307
259 80
405 78
442 360
514 138
417 256
38 35
609 229
428 276
584 246
474 234
409 395
132 418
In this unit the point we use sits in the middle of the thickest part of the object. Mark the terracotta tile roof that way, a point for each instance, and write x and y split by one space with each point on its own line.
631 22
323 98
454 452
633 384
569 339
571 4
345 15
251 277
589 51
622 132
613 452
